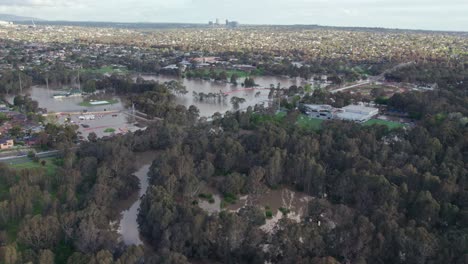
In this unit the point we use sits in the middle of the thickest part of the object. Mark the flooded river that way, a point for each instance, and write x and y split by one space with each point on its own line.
209 108
70 104
252 96
128 225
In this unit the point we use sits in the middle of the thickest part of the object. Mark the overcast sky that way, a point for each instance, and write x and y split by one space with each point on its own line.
413 14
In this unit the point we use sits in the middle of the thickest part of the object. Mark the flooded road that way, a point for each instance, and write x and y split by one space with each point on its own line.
207 109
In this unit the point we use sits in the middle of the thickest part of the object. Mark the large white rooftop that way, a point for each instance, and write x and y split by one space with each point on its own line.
361 109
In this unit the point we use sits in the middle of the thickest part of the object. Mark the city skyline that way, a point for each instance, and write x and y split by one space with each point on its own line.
413 14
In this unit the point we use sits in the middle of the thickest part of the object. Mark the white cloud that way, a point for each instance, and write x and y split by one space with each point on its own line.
34 3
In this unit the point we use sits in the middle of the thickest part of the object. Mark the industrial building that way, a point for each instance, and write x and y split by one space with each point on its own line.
320 111
357 113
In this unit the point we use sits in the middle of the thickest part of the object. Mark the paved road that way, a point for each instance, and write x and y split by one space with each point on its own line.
349 87
84 113
380 77
24 158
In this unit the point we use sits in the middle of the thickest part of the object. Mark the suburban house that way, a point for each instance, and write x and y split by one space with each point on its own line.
6 143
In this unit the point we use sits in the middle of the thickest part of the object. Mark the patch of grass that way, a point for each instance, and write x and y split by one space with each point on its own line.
268 212
264 118
207 196
285 211
49 165
240 74
88 103
109 130
105 69
389 124
230 198
309 123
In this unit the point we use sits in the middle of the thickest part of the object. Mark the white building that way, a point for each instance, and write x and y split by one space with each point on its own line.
357 113
5 23
320 111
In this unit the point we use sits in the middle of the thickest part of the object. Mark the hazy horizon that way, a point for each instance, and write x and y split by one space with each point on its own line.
412 14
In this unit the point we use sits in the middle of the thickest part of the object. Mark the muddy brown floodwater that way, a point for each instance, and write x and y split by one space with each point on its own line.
128 225
207 109
295 202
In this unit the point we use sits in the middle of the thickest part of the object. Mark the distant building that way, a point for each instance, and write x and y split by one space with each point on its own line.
5 24
6 143
3 108
320 111
244 67
206 60
232 24
171 67
357 113
297 64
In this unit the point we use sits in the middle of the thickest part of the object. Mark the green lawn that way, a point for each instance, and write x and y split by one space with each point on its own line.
303 121
105 69
109 130
88 103
49 166
229 73
389 124
309 123
241 74
261 118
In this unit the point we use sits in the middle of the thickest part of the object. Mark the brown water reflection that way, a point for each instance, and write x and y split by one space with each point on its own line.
207 108
71 104
128 226
295 202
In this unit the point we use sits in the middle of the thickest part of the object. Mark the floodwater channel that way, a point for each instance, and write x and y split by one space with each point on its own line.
128 225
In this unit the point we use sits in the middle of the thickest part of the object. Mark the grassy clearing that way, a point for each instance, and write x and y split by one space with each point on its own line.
230 198
303 121
240 74
49 165
109 130
309 123
88 103
105 70
268 212
261 118
389 124
207 196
